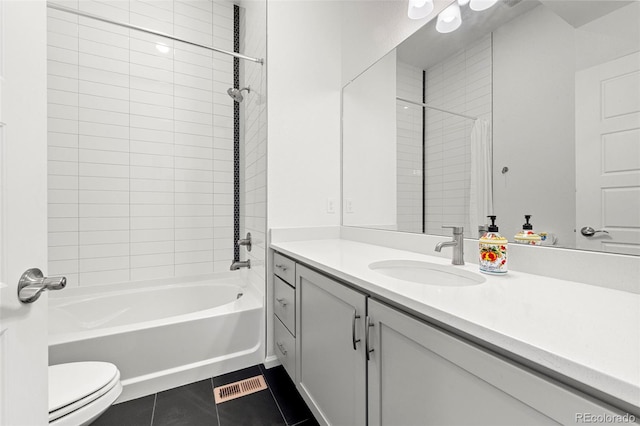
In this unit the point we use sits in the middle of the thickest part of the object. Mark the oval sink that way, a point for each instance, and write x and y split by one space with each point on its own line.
426 273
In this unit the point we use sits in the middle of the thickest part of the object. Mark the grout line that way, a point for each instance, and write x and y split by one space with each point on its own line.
153 410
214 402
262 371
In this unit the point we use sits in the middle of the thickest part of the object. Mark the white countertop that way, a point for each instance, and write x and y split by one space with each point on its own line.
588 333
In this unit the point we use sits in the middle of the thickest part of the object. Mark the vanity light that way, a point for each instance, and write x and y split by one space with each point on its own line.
419 9
480 5
449 19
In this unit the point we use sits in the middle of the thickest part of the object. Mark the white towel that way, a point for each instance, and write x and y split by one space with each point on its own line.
481 187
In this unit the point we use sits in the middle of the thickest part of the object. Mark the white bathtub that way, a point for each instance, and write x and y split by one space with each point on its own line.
159 335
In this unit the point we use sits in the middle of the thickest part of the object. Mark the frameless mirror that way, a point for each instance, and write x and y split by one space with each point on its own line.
530 107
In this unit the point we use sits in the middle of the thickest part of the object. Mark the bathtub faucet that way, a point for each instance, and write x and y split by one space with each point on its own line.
246 241
240 264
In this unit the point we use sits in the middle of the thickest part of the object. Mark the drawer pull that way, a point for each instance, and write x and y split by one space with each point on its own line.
282 267
366 338
282 301
353 329
282 349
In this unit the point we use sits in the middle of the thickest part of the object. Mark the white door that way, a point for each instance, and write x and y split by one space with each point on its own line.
23 209
608 155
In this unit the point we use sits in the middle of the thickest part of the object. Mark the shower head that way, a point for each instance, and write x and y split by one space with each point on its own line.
236 94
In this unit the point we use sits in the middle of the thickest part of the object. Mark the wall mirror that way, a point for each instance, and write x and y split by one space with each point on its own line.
530 107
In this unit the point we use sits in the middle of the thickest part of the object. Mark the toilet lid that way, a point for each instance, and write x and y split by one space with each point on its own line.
74 381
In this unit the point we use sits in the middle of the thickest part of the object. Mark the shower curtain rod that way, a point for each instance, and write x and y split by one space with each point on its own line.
438 109
146 30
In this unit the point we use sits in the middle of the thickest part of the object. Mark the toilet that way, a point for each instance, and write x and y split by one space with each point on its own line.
80 391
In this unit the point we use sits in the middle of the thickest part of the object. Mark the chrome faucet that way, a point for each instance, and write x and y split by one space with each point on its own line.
240 264
457 243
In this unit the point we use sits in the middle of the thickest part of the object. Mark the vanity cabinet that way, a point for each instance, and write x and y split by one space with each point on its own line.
331 373
360 361
420 375
284 308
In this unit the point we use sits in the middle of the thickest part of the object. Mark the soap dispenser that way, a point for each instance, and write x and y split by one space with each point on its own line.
527 236
493 250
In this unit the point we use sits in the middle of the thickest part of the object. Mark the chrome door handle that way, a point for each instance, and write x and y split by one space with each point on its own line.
282 267
353 329
282 301
32 283
588 231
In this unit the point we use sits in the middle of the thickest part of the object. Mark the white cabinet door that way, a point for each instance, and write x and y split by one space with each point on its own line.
419 375
23 209
331 373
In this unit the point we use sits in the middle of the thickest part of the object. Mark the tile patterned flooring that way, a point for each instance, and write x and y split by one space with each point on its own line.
193 404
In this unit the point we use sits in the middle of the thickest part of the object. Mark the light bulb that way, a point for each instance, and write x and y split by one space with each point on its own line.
419 9
480 5
449 19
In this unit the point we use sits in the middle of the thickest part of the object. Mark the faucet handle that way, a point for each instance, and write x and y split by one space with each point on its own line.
456 229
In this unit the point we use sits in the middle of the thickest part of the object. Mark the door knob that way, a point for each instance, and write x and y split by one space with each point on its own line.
32 283
588 231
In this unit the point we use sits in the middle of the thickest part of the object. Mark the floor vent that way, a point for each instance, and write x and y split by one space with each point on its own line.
236 390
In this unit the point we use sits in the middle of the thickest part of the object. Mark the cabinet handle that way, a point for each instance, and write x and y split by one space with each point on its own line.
282 267
366 338
282 301
353 329
282 349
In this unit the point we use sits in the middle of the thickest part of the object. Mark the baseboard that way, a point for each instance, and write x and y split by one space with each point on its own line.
271 361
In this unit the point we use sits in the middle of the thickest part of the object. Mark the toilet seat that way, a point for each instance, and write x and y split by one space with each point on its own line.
79 392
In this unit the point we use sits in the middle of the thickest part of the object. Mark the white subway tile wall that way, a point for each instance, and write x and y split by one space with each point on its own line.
409 148
254 137
140 142
461 83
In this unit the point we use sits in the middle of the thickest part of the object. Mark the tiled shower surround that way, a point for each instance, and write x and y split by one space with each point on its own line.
140 142
461 83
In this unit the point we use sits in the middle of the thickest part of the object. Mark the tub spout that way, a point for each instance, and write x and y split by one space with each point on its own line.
240 264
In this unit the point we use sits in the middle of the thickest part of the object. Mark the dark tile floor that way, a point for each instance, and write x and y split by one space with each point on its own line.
193 404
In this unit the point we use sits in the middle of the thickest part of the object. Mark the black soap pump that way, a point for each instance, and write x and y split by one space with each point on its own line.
527 236
493 250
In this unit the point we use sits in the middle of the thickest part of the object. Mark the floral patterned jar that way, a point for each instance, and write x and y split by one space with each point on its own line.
493 253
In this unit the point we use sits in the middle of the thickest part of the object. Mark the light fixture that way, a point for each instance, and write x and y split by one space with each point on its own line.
480 5
449 19
162 48
419 9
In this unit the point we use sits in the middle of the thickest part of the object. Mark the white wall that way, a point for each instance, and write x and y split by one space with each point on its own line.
534 124
369 151
304 72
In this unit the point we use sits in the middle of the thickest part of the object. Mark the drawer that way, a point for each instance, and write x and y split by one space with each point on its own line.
285 347
285 268
284 303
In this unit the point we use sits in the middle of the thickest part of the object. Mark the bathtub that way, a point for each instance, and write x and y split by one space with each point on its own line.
159 335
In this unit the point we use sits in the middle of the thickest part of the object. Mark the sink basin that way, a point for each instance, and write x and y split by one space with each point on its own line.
427 273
